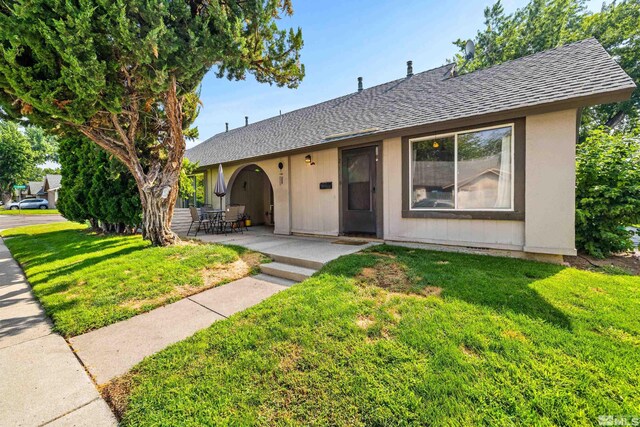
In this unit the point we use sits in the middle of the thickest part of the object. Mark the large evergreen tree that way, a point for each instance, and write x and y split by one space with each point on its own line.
125 74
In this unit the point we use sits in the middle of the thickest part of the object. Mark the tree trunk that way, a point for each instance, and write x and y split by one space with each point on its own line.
6 198
158 181
615 119
156 215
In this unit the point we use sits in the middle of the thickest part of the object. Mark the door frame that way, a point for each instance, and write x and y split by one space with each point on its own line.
379 202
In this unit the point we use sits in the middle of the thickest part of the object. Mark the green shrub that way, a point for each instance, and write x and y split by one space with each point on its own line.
607 192
97 188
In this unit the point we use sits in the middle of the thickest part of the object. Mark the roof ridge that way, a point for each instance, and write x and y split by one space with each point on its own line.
324 102
542 52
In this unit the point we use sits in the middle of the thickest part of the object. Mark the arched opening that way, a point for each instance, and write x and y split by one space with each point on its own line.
250 186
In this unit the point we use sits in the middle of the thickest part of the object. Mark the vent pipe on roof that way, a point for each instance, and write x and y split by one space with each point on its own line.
409 68
246 120
359 84
226 126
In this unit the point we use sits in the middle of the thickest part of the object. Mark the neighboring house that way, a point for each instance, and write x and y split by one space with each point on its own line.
51 187
485 159
35 189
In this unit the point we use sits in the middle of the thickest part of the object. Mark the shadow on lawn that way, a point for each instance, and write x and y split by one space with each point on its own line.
71 268
503 284
33 250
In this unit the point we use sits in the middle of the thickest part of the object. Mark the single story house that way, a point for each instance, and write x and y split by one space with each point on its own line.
34 189
51 187
484 159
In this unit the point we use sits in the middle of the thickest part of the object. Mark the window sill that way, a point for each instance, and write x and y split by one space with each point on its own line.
492 215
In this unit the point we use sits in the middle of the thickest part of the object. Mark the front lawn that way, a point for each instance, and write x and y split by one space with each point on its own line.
28 211
407 337
85 281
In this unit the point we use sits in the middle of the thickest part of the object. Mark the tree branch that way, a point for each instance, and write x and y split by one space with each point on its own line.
106 143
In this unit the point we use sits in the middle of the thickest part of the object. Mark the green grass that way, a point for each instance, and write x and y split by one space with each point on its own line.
407 337
28 211
85 281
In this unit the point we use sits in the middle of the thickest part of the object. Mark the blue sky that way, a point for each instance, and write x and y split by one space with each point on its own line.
344 40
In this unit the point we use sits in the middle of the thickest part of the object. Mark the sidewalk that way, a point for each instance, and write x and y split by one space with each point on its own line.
111 351
41 381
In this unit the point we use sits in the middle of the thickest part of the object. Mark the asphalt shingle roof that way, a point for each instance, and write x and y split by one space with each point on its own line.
576 70
53 181
35 187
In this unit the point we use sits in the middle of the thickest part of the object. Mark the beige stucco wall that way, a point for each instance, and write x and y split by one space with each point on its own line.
301 207
465 232
251 189
313 210
550 183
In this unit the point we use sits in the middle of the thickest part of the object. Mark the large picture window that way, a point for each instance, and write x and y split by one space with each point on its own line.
470 170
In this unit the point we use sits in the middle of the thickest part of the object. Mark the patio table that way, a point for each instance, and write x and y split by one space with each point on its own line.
216 216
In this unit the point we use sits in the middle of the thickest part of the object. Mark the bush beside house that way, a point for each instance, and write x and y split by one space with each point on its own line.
607 192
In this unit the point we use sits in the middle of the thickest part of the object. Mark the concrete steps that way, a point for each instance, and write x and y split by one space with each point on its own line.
295 273
300 262
285 270
275 280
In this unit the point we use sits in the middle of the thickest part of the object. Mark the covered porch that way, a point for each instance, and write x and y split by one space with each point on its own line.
248 185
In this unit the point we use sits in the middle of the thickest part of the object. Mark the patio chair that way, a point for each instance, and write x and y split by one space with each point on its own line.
241 216
198 220
203 212
232 220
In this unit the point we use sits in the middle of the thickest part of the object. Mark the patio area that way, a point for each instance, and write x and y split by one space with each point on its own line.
312 251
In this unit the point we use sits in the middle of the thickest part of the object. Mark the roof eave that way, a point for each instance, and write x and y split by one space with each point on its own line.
610 97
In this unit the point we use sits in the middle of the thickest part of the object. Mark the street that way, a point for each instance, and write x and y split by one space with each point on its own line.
10 221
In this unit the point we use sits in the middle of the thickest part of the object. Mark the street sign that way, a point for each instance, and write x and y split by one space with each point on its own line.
20 187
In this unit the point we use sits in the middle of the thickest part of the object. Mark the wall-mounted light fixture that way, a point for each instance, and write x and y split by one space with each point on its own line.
307 160
281 174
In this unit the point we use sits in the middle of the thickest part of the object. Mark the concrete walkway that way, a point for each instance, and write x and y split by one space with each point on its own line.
41 381
316 250
113 350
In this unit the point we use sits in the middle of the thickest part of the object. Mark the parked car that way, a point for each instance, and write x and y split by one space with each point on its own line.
29 204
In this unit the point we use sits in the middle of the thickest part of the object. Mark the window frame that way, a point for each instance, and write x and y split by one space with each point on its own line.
516 212
455 169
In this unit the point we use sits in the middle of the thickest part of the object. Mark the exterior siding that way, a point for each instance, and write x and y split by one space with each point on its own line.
52 198
550 183
313 210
